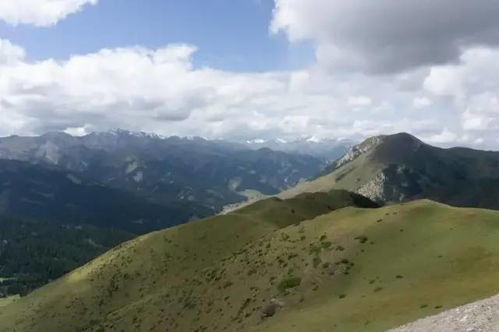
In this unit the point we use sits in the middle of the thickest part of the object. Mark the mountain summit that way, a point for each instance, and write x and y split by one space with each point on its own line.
400 167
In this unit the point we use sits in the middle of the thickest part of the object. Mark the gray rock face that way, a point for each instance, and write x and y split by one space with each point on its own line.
359 149
374 189
481 316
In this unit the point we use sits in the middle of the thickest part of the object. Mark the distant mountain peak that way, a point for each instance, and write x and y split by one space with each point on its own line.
56 135
124 132
396 144
402 138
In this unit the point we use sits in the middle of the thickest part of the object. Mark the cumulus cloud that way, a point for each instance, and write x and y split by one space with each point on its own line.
471 88
10 53
359 101
438 59
160 90
421 102
440 81
39 12
386 36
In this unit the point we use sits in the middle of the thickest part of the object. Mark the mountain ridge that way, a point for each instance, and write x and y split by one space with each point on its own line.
400 167
277 265
223 236
209 173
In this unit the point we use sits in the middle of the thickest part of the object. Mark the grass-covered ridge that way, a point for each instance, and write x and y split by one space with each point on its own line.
294 265
165 270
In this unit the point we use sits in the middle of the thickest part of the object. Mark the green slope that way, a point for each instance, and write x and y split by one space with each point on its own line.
419 258
162 270
351 269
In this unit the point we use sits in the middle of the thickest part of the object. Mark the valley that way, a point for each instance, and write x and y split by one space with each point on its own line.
315 257
101 189
249 166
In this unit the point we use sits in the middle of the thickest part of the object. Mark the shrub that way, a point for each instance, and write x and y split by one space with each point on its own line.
288 282
326 244
361 239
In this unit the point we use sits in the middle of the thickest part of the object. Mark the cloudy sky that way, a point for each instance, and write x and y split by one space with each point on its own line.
246 69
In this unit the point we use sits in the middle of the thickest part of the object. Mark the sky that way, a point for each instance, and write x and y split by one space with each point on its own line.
253 69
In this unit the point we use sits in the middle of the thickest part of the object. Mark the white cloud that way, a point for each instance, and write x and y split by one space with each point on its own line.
160 90
439 57
446 68
386 36
471 89
359 101
421 102
39 12
10 53
444 137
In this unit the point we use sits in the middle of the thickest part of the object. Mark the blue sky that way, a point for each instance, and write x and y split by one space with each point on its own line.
230 34
252 69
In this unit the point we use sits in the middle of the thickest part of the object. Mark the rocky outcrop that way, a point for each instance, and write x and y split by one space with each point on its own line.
481 316
374 189
271 308
359 149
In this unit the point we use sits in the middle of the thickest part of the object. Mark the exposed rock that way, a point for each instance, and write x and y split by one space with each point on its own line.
359 149
271 308
374 189
481 316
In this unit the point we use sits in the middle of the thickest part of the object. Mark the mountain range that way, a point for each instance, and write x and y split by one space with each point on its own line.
393 231
123 183
178 178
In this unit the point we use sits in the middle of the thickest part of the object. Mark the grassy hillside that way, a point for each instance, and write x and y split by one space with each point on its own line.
164 270
295 265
